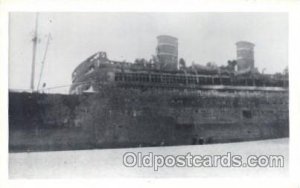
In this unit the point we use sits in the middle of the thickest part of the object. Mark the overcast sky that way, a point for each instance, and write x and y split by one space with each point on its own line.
202 37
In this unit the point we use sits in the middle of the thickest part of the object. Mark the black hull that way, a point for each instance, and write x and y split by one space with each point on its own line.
120 118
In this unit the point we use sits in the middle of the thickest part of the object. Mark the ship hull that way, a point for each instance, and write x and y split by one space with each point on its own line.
116 118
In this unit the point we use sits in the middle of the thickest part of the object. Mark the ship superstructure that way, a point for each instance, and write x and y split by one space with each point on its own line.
165 71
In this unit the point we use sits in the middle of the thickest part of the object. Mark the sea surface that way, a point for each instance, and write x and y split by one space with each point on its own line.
109 162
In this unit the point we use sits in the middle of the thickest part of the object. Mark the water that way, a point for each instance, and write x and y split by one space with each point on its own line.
109 162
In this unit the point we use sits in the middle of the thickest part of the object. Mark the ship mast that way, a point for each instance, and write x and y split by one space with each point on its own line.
34 40
43 61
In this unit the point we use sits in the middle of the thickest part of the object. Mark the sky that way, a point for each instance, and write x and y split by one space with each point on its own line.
202 38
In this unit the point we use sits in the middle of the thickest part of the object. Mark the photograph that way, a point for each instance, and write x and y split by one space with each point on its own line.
148 94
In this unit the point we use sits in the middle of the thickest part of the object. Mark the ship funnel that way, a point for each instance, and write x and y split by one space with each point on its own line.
245 56
167 52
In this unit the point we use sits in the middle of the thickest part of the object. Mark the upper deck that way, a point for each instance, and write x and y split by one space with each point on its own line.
98 70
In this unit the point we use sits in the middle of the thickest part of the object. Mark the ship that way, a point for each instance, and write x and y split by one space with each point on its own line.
157 102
